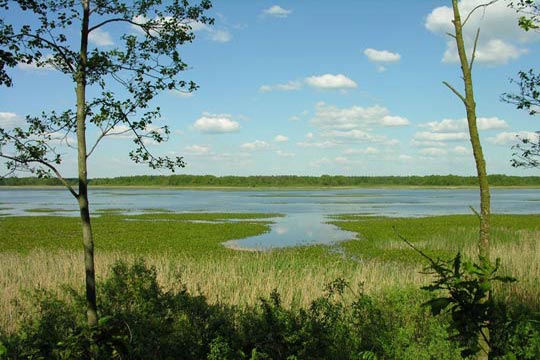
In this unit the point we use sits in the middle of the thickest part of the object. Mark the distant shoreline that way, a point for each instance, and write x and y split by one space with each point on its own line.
269 188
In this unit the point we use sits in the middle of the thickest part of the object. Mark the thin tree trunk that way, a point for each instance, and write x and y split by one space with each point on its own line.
88 239
470 106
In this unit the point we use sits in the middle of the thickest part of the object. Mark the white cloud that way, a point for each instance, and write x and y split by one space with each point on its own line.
427 143
284 154
382 55
354 135
281 138
9 120
462 150
460 125
309 135
320 145
100 37
277 11
216 124
320 162
500 40
332 117
404 157
255 145
511 138
220 36
331 82
433 152
341 160
367 151
389 120
430 136
182 94
198 149
289 86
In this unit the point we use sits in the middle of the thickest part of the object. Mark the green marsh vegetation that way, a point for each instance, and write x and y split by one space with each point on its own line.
379 310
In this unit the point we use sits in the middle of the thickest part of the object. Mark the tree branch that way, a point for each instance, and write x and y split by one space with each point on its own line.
53 168
462 98
476 8
58 48
474 49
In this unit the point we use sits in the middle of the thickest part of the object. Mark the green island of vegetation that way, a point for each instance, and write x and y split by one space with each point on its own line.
177 285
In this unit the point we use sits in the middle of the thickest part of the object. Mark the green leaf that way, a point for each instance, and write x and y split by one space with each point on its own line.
437 305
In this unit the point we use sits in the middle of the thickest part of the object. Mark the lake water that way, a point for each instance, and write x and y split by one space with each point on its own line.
305 211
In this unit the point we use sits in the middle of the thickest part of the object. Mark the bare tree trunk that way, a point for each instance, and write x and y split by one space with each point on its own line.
470 106
88 239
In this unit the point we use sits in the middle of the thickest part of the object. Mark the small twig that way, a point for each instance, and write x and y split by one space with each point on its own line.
475 212
474 49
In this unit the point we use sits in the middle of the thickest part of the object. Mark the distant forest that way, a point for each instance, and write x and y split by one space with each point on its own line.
282 181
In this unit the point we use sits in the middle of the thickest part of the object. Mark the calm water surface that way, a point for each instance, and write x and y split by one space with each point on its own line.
305 211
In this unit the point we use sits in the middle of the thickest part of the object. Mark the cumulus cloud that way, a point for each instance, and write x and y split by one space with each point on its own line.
281 138
198 149
384 56
433 152
220 36
321 145
367 151
501 39
277 12
216 124
430 136
182 94
100 37
9 120
511 138
355 134
331 82
289 86
460 125
462 150
284 154
329 116
255 145
389 120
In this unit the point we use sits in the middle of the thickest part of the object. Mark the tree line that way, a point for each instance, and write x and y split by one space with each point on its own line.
281 181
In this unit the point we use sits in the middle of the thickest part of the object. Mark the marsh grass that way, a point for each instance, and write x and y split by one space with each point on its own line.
43 252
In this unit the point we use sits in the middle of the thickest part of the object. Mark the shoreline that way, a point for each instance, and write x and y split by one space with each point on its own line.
267 188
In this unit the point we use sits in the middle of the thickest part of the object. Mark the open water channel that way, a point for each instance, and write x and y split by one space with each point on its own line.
306 212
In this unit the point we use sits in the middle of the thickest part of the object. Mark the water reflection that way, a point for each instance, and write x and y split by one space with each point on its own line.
305 211
294 230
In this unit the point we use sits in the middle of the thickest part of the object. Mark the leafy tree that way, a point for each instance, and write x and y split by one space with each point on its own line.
124 78
527 151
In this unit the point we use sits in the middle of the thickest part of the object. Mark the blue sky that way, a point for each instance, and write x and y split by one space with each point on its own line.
318 87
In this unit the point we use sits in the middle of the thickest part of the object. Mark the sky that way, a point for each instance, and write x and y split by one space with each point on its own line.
315 87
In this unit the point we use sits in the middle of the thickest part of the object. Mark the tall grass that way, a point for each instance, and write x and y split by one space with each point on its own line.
377 260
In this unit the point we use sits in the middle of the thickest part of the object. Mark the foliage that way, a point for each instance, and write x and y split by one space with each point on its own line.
280 181
530 20
144 63
527 150
142 320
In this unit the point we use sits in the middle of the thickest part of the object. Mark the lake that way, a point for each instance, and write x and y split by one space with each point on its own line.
305 211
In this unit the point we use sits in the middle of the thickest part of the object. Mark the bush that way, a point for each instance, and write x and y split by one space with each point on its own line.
140 320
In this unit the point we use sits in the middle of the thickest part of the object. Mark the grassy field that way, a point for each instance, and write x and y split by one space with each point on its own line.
46 251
